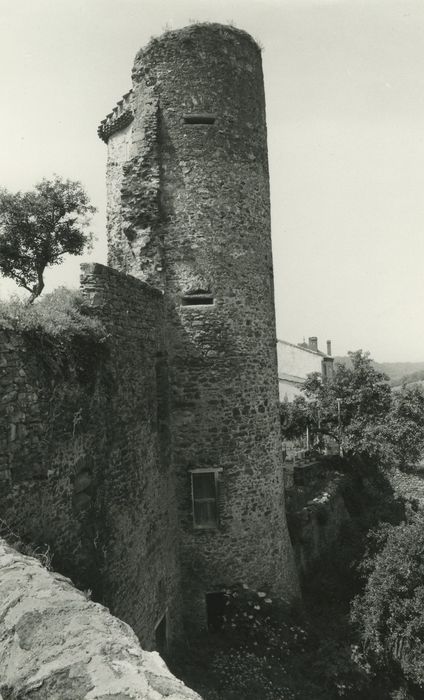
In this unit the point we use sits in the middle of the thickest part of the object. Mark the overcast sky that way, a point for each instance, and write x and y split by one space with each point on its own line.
344 86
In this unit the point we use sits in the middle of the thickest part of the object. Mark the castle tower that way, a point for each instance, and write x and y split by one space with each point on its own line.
189 212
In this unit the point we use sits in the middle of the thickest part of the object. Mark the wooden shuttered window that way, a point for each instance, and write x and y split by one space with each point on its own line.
204 489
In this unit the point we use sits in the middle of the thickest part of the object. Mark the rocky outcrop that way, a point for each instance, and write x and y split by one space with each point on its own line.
315 528
55 644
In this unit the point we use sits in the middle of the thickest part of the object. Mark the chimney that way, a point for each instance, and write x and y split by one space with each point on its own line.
313 343
328 347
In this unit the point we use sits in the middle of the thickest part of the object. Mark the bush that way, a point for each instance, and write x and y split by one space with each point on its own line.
59 334
389 614
58 313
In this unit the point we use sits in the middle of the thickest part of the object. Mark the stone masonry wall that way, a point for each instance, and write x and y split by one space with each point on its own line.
52 446
118 153
316 528
139 522
212 226
84 453
56 644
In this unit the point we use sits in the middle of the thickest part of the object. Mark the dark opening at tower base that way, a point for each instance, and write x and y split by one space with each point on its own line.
215 610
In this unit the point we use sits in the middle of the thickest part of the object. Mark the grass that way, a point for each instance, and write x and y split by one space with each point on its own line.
59 313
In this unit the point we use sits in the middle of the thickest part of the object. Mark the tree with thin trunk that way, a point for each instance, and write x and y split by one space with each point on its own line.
39 227
358 410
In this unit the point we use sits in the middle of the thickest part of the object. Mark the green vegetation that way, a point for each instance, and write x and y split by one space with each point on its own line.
58 313
59 333
411 378
38 227
360 631
398 372
389 614
358 410
315 652
41 552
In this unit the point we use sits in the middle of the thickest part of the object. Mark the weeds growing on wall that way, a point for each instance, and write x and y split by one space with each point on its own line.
58 313
59 331
41 552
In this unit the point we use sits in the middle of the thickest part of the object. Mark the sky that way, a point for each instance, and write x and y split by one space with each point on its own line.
344 82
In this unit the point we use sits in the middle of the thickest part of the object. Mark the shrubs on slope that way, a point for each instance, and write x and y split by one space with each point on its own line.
389 614
58 313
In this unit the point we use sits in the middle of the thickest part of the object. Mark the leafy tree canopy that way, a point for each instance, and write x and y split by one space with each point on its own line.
38 227
358 409
390 613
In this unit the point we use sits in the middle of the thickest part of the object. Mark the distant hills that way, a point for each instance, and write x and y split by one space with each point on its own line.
398 372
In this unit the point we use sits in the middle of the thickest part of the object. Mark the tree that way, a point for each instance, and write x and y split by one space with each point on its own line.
389 615
404 428
295 418
358 409
38 227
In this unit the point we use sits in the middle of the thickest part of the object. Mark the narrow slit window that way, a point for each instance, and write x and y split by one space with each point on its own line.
204 489
197 300
199 118
200 297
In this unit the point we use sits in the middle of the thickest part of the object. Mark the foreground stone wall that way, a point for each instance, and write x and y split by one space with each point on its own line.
55 643
85 454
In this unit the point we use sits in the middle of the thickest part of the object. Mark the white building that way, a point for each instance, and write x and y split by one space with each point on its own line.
295 362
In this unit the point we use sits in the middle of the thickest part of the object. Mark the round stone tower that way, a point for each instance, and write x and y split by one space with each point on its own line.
192 217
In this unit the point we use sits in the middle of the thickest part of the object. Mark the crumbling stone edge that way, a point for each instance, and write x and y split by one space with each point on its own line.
55 643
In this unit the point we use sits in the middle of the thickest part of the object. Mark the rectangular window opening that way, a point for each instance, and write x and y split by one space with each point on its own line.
202 118
204 492
197 300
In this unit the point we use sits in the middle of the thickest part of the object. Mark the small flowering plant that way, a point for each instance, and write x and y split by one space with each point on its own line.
261 623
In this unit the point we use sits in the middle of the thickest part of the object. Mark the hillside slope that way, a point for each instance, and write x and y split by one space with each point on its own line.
397 372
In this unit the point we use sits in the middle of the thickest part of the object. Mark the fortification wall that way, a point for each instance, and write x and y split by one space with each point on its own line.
199 121
84 453
119 152
52 445
138 502
57 644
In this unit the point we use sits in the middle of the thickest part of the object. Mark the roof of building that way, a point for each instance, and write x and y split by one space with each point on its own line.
290 378
306 348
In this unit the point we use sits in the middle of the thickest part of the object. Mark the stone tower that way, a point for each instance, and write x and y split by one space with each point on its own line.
189 213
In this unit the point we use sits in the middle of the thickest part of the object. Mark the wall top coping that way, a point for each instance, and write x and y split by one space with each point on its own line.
202 30
103 271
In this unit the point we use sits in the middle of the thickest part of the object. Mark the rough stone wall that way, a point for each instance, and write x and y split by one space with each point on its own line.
119 152
52 445
55 643
214 227
317 527
139 522
134 240
84 454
